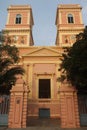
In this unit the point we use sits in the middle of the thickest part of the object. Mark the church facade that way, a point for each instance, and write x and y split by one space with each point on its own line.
47 97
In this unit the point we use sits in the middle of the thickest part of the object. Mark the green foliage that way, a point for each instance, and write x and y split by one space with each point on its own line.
7 75
74 62
9 57
10 51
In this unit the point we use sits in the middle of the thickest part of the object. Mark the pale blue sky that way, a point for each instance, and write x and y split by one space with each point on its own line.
44 13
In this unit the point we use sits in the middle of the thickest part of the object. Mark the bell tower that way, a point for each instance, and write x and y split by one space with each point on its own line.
19 25
69 23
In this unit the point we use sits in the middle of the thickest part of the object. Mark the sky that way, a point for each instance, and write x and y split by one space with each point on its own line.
44 14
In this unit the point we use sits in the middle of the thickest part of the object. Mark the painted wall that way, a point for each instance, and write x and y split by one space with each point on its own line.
64 28
44 66
43 62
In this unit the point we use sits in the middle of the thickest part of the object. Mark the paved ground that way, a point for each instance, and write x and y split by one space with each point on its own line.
43 124
42 128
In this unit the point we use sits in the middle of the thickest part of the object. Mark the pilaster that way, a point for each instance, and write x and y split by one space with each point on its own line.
69 106
18 105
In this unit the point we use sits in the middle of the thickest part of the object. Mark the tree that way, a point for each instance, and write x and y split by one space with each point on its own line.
74 63
9 58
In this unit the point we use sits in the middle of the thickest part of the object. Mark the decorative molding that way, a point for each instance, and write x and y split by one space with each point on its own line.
44 73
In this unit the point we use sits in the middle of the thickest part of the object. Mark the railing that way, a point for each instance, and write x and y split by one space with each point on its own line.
4 104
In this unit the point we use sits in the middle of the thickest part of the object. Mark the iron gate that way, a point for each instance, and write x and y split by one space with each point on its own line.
4 109
82 100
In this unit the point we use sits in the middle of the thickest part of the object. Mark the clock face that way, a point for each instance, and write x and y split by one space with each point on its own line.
73 37
16 38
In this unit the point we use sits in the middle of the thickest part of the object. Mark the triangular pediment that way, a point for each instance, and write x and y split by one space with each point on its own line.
43 51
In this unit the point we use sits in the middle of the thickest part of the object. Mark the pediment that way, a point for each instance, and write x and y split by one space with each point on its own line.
44 51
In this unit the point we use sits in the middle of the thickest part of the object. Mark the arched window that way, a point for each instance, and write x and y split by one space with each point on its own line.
70 18
18 19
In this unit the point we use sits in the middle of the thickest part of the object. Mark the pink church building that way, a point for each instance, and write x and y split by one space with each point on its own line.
47 97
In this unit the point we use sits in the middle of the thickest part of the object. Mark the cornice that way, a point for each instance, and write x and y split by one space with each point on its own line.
19 7
16 30
67 30
69 6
